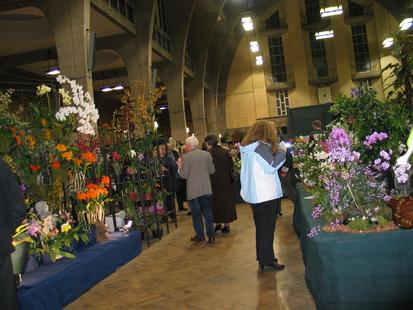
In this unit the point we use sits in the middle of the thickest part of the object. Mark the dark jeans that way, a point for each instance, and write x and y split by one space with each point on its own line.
180 194
201 210
8 297
265 216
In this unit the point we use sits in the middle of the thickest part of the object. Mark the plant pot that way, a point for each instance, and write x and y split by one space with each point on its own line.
46 259
157 233
32 264
18 258
147 196
92 235
142 235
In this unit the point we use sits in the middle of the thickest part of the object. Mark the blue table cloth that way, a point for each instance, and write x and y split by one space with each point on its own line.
56 285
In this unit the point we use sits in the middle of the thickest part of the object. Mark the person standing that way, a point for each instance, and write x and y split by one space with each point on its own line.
196 166
12 214
222 194
261 158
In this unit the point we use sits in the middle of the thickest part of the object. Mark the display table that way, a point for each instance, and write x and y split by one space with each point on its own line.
355 271
56 285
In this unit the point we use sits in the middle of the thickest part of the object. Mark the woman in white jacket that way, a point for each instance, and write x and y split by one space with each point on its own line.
261 158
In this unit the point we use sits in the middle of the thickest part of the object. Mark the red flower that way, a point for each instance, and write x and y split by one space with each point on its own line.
56 165
115 156
133 196
34 168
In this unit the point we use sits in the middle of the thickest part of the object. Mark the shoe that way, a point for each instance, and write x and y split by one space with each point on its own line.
218 227
189 213
272 267
211 240
226 229
280 214
183 209
275 262
197 239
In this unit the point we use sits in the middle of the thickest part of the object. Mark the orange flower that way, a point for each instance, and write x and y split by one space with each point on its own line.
18 140
105 181
44 122
34 168
77 161
31 141
68 155
56 165
81 196
61 147
89 156
47 133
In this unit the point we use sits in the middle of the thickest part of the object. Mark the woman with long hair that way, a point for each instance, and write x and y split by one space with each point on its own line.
261 158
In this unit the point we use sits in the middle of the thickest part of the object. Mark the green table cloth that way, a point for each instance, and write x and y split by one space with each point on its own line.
355 271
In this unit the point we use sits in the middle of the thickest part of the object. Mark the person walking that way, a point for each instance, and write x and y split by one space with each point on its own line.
196 166
223 204
12 213
261 158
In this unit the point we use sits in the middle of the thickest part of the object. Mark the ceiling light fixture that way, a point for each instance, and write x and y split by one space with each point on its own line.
406 23
247 23
105 89
53 71
324 34
254 46
259 60
118 87
164 107
331 11
388 42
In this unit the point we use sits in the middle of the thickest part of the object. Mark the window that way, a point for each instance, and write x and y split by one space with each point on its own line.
273 21
124 7
355 9
279 73
312 9
282 102
160 32
318 54
361 48
188 55
365 84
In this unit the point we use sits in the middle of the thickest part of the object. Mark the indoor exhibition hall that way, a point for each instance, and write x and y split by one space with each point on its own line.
206 154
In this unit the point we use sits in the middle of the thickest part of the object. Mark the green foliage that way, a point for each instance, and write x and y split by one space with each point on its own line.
359 224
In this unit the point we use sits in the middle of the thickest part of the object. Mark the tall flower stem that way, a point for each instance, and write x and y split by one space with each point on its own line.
352 195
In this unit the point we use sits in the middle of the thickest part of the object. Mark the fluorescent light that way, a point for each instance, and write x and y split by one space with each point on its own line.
254 46
259 61
106 89
247 23
118 87
331 11
53 71
164 107
406 23
388 42
324 34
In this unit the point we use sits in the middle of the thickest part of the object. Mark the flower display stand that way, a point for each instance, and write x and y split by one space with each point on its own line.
355 270
56 285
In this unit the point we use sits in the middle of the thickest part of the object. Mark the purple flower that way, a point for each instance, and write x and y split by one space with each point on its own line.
385 155
34 229
141 156
401 173
317 212
386 198
355 93
374 138
23 187
314 232
377 161
335 224
334 187
338 138
385 166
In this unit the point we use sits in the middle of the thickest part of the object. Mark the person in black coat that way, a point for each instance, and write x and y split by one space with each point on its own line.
12 214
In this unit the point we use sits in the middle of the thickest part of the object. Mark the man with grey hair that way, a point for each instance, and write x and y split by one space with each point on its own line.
196 166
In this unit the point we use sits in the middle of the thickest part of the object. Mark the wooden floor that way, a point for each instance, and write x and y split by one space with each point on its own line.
177 274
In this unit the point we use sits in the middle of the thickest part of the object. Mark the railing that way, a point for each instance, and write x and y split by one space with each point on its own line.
356 19
274 30
162 38
365 70
280 81
322 76
313 23
124 7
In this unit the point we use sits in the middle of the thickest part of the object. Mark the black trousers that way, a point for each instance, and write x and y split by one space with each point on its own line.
265 216
8 297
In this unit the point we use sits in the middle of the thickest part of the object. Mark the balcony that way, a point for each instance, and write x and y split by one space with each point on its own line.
314 23
276 30
162 39
358 18
367 70
280 82
322 76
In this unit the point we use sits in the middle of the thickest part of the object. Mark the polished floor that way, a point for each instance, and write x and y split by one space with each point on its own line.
177 274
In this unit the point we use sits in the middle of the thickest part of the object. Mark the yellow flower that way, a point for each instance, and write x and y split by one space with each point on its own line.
42 90
66 227
68 155
44 122
61 147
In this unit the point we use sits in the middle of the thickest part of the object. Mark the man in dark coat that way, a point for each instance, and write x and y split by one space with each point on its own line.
12 213
222 193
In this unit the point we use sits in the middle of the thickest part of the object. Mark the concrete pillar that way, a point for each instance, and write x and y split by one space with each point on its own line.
195 92
70 22
211 110
179 15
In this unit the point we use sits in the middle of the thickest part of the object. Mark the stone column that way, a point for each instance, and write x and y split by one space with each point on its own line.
70 22
179 15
